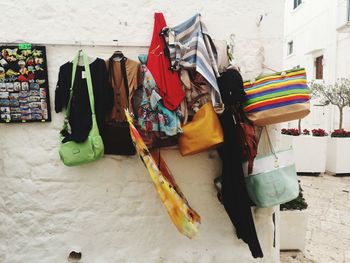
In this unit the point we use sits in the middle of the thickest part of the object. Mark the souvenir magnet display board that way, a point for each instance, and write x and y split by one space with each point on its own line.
24 88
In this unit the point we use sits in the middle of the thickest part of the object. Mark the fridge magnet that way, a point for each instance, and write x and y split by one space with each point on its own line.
24 90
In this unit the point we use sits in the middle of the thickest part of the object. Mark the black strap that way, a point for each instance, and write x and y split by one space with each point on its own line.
123 71
166 50
125 77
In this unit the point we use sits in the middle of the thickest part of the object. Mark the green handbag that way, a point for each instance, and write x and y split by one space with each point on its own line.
73 153
273 180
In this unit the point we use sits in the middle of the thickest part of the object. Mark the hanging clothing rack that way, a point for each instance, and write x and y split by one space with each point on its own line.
113 43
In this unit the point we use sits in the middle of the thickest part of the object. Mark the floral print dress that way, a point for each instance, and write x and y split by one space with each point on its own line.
152 114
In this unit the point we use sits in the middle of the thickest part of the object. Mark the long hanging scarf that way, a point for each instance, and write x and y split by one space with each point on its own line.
183 216
191 47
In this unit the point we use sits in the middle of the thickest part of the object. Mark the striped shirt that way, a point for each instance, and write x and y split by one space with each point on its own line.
191 47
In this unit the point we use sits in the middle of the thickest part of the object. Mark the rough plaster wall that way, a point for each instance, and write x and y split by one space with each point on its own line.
109 210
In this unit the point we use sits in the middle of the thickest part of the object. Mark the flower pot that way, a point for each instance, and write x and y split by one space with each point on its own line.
310 152
293 226
338 155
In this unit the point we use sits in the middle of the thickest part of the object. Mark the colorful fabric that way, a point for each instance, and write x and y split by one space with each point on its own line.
194 49
24 87
276 91
152 115
168 82
183 216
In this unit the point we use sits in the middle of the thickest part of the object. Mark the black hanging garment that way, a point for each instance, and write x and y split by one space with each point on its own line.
234 194
80 113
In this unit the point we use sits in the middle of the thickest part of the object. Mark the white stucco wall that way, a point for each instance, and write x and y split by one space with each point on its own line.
109 210
313 28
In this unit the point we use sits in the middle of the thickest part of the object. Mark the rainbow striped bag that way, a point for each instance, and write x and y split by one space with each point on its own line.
277 98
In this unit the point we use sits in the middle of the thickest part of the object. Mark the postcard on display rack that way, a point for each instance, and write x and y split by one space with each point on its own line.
24 87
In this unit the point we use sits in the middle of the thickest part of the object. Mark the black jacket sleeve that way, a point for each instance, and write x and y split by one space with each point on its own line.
108 92
62 88
103 94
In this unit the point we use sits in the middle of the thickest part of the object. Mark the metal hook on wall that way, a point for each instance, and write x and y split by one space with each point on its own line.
78 43
260 19
232 41
231 46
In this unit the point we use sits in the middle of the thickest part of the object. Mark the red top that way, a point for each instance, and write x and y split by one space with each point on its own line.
168 82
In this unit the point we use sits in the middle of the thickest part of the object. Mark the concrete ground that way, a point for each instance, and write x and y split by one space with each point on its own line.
328 234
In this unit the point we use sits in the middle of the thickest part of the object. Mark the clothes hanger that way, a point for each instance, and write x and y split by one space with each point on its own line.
118 56
90 59
80 57
81 61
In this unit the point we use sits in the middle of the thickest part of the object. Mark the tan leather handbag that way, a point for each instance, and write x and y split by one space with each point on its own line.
203 133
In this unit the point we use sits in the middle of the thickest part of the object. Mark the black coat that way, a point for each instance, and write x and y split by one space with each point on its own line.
80 119
234 193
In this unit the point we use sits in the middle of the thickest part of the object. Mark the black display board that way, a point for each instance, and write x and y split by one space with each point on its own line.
24 87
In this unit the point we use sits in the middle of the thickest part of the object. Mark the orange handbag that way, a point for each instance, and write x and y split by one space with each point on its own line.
203 133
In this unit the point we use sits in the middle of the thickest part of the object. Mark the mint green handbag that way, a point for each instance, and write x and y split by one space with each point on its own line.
273 180
73 153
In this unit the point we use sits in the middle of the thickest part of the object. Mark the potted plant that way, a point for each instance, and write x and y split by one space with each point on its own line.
286 140
338 152
309 151
338 95
293 223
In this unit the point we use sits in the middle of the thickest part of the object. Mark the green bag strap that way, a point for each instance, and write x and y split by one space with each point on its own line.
74 69
89 86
